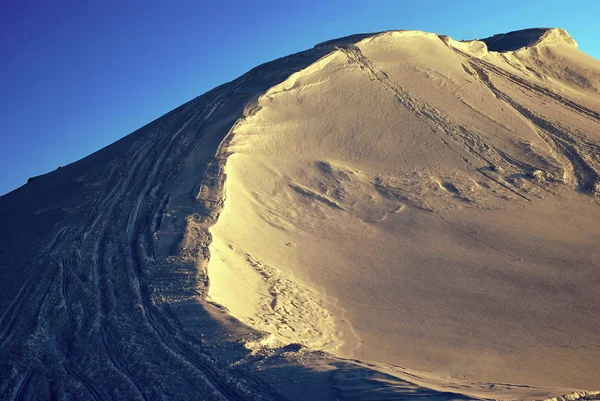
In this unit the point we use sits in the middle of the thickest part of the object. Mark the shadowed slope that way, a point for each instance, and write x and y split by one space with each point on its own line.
93 269
516 40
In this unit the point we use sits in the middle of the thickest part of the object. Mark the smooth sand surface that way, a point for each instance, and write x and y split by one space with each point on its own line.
423 202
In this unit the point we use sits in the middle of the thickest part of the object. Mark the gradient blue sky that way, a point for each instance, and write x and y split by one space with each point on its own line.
75 75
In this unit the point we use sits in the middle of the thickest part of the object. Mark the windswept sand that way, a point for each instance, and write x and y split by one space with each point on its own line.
419 201
426 210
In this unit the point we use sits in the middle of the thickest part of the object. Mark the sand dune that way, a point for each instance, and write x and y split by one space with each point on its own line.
384 216
433 188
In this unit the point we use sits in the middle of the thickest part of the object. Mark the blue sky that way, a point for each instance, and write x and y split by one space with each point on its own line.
76 76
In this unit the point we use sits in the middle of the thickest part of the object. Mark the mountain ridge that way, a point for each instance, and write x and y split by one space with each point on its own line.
516 40
533 36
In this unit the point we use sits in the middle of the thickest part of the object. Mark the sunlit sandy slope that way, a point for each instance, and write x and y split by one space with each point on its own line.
425 210
424 202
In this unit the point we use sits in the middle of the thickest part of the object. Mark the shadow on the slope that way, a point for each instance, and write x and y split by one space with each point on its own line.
294 371
516 40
